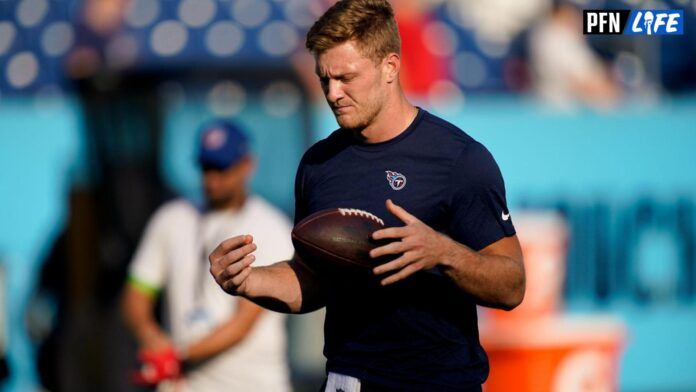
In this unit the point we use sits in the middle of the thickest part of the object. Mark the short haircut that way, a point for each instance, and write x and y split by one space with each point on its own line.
370 23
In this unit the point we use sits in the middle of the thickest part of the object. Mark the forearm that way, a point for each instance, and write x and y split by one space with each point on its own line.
285 287
274 287
219 340
145 330
137 310
494 280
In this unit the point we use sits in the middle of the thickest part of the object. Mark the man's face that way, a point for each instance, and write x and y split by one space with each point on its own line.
224 187
353 85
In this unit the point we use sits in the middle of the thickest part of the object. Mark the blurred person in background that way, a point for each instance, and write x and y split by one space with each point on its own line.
421 67
453 242
565 70
223 343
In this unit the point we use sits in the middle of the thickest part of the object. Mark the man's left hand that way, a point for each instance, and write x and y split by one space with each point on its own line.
420 246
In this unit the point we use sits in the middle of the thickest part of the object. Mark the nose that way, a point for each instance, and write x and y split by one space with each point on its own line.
333 91
211 178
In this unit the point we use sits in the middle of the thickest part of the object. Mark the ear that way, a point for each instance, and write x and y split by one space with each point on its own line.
391 66
249 166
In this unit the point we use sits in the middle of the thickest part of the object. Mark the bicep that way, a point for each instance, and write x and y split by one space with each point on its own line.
477 201
149 263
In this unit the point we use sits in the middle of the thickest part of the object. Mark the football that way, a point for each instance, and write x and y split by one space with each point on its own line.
338 238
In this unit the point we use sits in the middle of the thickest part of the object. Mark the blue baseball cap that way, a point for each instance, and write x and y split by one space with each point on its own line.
222 144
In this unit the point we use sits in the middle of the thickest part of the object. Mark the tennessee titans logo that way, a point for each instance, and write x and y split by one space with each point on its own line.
396 180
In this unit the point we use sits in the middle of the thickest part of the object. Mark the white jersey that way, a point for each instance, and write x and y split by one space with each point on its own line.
173 256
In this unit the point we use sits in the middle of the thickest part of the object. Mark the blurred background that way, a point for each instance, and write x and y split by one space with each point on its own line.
100 101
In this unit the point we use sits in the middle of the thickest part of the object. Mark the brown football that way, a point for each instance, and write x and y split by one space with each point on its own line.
338 238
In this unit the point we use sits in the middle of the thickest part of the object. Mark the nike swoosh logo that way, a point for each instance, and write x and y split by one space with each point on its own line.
505 216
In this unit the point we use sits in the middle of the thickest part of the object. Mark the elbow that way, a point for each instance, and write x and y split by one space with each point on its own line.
513 301
515 295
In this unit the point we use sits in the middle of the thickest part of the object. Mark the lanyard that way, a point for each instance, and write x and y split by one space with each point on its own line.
202 269
201 264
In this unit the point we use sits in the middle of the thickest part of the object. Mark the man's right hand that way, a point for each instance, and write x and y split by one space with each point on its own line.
230 263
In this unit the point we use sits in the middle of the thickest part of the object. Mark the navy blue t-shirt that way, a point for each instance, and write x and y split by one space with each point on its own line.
420 333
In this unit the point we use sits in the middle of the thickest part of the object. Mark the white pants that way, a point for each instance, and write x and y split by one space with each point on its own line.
342 383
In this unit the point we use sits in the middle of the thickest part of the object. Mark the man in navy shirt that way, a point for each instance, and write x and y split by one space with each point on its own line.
453 242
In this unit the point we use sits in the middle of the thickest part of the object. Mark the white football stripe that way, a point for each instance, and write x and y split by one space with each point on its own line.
353 211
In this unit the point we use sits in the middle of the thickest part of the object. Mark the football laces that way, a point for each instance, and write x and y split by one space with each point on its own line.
365 214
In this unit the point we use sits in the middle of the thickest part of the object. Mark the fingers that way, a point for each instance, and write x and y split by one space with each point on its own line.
397 232
400 213
233 284
230 244
391 232
399 263
236 268
391 248
237 248
403 274
413 237
234 256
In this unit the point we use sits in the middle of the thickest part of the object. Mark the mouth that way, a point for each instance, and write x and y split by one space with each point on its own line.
340 109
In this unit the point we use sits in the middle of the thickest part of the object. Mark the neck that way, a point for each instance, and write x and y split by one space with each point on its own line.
234 203
391 121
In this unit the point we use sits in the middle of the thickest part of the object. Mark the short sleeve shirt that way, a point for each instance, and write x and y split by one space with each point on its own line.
422 332
172 256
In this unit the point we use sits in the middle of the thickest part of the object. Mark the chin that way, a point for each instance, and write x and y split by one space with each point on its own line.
349 123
